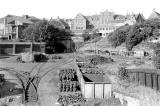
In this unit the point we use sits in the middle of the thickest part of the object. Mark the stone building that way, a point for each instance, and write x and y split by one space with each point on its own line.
11 26
104 23
79 24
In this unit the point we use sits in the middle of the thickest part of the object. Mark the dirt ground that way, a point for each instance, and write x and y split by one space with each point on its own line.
48 87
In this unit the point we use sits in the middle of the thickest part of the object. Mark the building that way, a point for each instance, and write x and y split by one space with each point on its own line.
154 14
60 23
11 26
79 24
104 23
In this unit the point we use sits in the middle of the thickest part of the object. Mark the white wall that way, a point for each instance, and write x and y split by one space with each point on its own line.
97 90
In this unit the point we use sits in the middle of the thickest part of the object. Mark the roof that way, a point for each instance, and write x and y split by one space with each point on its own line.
12 19
79 14
93 78
63 23
140 18
96 78
154 14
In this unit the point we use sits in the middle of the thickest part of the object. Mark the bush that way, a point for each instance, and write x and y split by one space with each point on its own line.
57 57
101 60
40 58
123 73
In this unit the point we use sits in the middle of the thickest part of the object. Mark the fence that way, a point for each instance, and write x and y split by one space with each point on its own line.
147 79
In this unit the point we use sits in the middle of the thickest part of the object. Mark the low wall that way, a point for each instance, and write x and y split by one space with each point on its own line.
127 100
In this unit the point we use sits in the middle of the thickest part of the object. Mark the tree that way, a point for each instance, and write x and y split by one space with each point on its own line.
141 32
53 37
135 34
48 33
86 36
119 36
33 32
90 34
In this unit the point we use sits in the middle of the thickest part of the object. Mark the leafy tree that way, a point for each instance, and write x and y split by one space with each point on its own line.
119 35
33 32
90 34
46 32
142 32
86 36
135 34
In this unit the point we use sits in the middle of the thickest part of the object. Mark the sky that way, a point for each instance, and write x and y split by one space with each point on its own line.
69 8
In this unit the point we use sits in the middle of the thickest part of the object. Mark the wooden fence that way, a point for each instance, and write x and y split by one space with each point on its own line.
147 79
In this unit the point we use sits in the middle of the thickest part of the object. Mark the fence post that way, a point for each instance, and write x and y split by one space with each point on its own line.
157 82
151 80
145 79
14 49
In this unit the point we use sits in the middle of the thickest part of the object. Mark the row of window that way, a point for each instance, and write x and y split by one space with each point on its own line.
109 28
80 21
79 28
